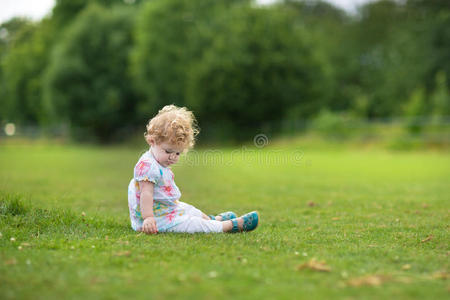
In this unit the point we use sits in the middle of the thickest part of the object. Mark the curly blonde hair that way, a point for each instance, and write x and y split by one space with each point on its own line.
174 125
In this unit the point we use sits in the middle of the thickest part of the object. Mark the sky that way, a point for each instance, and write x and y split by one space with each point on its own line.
37 9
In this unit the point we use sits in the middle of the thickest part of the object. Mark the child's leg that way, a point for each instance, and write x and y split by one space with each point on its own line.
195 224
200 225
195 212
217 218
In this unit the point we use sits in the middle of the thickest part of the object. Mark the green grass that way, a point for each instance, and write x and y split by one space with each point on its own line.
366 213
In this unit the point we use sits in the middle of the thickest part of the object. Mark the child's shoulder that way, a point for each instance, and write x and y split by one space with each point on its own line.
146 167
145 157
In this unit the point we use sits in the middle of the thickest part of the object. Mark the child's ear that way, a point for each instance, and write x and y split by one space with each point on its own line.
150 141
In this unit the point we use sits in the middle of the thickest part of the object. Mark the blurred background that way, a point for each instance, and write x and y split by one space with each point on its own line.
96 71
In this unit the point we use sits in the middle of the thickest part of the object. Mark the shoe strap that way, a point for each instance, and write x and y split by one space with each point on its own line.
235 225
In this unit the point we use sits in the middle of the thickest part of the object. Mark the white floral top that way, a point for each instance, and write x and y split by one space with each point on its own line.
166 208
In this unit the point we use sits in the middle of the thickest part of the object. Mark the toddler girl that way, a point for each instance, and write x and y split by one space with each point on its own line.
153 197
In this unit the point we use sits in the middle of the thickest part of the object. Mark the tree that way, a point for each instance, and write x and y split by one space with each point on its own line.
396 47
11 32
87 82
171 35
261 67
22 68
65 11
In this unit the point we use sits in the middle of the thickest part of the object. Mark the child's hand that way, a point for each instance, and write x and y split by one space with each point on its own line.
149 225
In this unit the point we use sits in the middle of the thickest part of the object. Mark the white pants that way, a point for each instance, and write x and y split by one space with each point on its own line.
195 222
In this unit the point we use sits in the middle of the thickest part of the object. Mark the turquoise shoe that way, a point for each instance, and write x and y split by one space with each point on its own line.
250 222
225 216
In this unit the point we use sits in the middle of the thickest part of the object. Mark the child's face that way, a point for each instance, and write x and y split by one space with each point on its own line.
165 153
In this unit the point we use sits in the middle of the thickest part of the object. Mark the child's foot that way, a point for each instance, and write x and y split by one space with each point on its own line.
224 216
247 222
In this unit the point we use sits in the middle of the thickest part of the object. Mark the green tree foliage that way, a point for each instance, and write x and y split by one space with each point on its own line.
415 109
11 33
440 98
328 30
396 47
260 67
229 61
171 35
87 81
22 68
65 11
241 66
371 53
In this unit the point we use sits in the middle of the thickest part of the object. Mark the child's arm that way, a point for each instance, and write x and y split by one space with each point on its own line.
149 225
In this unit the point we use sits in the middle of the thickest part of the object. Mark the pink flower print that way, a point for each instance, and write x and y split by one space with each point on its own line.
142 168
171 216
138 197
168 190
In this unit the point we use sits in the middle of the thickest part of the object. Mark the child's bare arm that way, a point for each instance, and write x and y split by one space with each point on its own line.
149 224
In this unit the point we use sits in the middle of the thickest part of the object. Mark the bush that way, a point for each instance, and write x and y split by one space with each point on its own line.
414 111
336 124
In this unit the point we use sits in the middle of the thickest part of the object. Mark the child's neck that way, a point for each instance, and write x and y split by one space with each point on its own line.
154 157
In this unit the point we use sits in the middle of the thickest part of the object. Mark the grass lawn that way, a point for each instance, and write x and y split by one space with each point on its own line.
353 224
